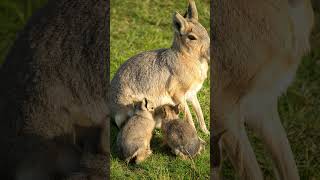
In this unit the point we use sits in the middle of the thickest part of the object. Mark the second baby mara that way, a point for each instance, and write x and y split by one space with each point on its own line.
134 138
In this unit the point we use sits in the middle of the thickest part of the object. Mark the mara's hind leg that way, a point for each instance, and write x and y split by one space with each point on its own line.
199 114
268 126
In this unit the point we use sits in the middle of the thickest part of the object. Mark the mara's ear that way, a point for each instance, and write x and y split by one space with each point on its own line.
177 108
147 105
144 104
192 12
180 107
179 23
164 112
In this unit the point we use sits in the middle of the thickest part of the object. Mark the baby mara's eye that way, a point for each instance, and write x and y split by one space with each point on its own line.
192 37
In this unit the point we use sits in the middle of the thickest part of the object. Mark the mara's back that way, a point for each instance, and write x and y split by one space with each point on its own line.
180 134
253 38
143 74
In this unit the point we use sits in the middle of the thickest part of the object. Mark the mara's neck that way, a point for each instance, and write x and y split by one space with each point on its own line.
183 52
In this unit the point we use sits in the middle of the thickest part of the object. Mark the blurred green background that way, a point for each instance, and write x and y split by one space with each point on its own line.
139 26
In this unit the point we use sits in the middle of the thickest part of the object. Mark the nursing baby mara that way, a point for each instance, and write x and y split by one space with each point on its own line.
134 138
180 136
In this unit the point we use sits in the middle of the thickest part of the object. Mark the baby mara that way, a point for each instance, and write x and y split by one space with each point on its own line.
179 135
134 138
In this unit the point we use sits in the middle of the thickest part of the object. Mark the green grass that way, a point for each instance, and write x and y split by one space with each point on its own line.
138 26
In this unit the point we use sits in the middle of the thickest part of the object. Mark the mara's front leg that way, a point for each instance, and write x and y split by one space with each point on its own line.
180 98
199 114
177 91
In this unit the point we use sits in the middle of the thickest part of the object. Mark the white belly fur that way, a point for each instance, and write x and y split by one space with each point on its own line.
197 87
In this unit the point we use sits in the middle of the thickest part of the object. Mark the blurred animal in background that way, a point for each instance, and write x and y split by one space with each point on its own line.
258 46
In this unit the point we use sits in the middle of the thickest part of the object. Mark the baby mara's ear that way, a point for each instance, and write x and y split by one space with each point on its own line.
147 105
177 109
164 112
167 111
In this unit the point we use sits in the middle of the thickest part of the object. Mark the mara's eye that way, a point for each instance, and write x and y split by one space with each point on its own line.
192 37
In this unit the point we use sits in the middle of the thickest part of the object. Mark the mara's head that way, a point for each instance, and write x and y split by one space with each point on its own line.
168 112
190 37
